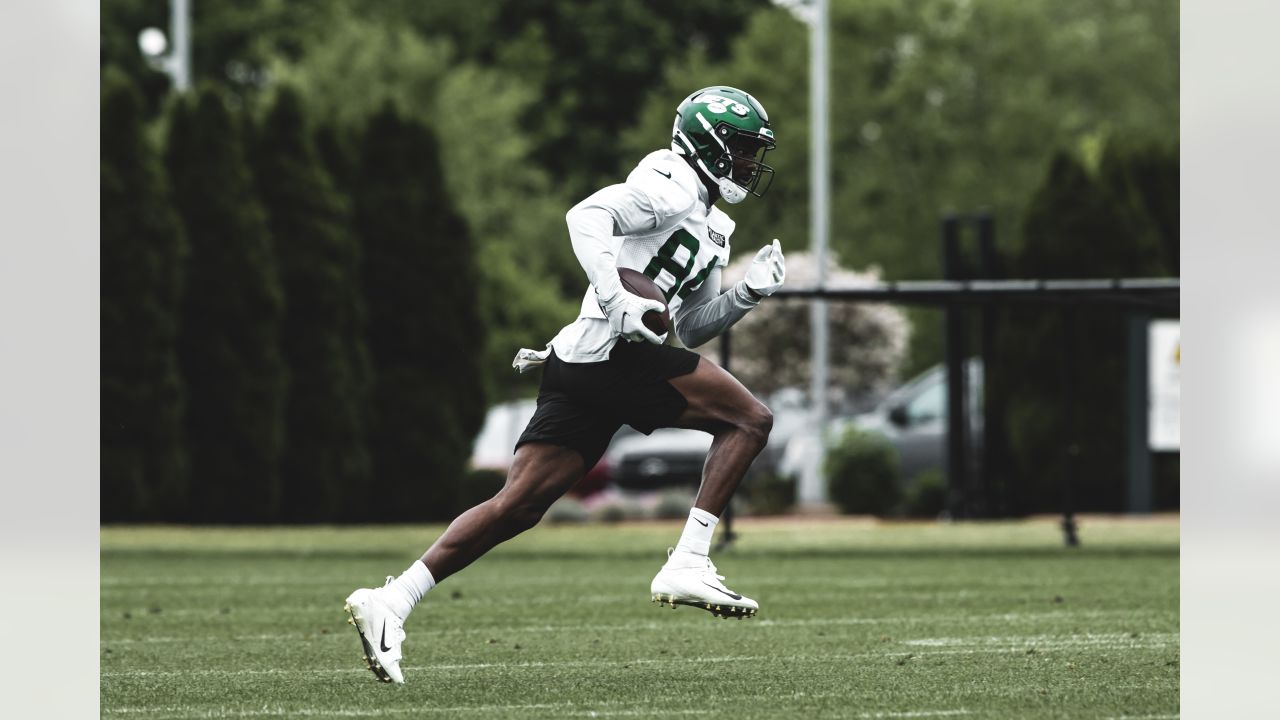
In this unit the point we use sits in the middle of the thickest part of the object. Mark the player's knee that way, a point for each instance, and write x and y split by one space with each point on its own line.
758 422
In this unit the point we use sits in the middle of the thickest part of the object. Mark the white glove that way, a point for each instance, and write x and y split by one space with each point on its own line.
624 311
767 272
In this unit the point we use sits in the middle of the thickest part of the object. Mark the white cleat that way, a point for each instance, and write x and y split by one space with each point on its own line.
689 579
381 632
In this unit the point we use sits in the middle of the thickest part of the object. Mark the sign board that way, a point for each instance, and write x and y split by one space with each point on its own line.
1164 364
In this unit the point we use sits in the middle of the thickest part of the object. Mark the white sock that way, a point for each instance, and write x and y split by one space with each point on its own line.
698 530
408 589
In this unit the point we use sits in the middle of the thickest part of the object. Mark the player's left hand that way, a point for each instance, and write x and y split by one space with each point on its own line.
767 272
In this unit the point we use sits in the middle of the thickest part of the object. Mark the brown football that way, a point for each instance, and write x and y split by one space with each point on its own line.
637 283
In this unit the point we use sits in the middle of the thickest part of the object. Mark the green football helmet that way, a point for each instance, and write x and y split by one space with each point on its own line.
724 133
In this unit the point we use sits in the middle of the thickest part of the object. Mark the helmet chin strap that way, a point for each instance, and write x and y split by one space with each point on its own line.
732 192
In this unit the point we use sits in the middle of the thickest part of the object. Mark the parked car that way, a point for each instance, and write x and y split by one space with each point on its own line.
666 457
495 445
913 417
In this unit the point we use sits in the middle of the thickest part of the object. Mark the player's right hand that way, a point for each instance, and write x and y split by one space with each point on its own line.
625 311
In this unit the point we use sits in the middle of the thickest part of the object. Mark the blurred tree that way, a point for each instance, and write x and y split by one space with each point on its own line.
325 455
533 91
1111 221
529 280
144 469
229 343
596 62
868 341
1143 177
121 21
425 326
335 146
574 55
936 105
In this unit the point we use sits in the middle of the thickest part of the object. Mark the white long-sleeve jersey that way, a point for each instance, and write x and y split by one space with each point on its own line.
657 222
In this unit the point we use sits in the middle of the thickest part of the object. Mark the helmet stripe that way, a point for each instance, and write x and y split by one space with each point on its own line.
707 126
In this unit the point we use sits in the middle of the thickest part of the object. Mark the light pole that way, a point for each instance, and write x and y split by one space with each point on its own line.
812 489
154 43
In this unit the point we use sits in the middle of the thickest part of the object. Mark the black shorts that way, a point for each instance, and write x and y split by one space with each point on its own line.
581 405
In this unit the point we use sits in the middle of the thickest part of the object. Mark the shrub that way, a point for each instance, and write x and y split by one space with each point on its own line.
566 510
617 510
927 496
863 476
673 504
770 494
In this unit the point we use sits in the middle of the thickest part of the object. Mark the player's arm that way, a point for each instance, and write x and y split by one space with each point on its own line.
595 227
707 312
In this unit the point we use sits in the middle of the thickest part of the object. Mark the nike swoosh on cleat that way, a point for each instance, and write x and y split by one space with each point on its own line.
666 175
383 641
713 587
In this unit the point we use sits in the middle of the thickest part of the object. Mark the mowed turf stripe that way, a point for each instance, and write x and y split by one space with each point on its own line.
1167 638
658 626
1038 644
280 711
914 714
1074 639
113 583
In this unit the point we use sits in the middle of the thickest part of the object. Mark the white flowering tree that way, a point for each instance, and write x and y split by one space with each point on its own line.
771 345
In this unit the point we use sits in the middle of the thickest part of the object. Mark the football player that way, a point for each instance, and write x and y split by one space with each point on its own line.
606 369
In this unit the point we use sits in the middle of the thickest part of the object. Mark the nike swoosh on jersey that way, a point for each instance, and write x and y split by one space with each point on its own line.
666 175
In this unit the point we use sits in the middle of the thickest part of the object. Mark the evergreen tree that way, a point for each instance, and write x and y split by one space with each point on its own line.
334 148
1143 178
229 346
1081 224
143 459
425 332
323 333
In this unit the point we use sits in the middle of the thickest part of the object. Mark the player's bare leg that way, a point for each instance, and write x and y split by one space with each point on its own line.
740 424
540 473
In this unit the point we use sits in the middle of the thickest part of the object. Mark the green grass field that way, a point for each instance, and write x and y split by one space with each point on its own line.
857 620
